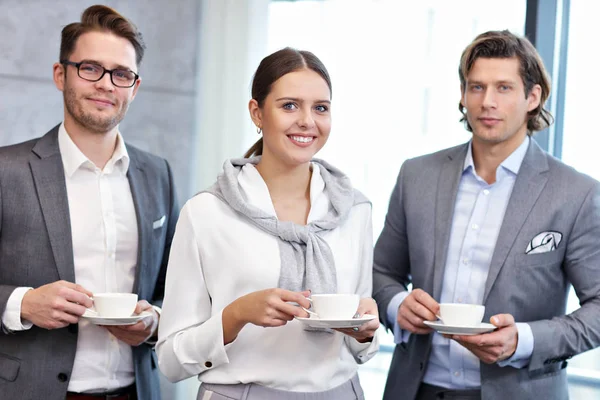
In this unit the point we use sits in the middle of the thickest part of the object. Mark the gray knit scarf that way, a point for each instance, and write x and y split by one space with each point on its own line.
306 259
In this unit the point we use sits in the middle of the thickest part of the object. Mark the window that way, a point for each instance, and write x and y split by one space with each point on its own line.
580 144
581 138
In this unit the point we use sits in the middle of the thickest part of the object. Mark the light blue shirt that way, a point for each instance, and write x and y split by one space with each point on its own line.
478 214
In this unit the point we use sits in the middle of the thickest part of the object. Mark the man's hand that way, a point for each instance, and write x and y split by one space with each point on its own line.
494 346
134 335
55 305
417 307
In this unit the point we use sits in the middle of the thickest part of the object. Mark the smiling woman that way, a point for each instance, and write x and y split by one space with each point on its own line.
294 118
274 229
295 83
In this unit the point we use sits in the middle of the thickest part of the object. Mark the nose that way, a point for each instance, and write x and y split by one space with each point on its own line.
489 98
105 83
305 119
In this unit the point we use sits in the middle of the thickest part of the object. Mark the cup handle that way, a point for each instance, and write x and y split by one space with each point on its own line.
310 313
92 309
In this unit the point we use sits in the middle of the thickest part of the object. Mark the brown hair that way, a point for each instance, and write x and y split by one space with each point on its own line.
104 19
273 67
504 44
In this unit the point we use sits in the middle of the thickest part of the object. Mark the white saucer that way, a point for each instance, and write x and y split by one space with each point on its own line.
439 327
97 320
315 322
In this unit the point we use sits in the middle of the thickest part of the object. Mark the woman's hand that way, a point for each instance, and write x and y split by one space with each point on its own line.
266 308
365 332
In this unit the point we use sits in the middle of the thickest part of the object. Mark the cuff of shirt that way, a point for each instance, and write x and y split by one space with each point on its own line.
400 335
154 338
363 352
524 348
11 319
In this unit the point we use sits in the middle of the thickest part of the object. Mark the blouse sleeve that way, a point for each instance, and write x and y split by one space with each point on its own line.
190 339
363 352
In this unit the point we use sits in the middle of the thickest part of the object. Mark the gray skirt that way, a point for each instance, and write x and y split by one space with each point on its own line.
349 390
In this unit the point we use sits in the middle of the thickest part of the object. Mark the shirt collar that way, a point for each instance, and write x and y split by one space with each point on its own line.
73 158
512 163
255 190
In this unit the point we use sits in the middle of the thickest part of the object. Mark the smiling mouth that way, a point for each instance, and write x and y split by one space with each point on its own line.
302 139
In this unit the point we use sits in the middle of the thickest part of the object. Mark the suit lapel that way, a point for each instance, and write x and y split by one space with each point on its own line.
444 210
49 179
140 193
530 182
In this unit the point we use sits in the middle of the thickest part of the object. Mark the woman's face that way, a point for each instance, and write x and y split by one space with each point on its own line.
295 117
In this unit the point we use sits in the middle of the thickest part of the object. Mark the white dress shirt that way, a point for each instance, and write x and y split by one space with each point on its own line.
218 256
105 248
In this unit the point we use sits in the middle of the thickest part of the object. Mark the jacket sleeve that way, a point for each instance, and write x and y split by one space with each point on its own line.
562 337
391 267
159 290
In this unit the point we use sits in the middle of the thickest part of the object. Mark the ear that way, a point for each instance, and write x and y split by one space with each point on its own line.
534 98
255 113
136 86
58 75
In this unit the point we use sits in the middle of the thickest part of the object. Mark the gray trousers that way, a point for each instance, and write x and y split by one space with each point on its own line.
350 390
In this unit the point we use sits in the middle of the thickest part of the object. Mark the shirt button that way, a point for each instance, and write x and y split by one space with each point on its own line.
466 261
486 192
208 364
475 226
456 373
459 300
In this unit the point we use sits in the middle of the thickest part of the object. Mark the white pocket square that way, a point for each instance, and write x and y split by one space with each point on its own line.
544 242
159 223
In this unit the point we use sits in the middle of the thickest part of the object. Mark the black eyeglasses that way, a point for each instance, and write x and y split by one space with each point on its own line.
119 77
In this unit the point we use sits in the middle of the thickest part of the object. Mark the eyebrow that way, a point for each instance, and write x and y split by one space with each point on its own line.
300 100
119 66
502 81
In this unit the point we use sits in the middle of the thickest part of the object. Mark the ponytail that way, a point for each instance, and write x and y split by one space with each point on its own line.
255 150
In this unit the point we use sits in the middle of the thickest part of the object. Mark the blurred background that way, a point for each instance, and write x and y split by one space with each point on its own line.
393 64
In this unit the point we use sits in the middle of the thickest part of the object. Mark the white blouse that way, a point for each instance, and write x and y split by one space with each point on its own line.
218 256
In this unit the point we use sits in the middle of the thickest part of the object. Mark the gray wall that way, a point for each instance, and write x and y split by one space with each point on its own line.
162 118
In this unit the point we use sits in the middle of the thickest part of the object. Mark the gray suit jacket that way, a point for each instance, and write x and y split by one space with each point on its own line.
547 196
36 249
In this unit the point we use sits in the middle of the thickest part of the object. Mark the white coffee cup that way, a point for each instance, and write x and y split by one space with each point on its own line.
456 314
115 305
334 306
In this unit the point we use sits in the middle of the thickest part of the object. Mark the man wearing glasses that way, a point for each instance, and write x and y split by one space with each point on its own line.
83 213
